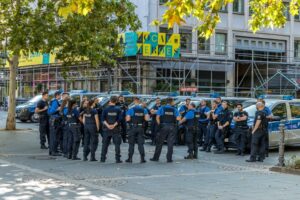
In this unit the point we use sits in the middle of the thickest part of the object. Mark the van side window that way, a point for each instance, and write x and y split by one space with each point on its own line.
280 111
295 109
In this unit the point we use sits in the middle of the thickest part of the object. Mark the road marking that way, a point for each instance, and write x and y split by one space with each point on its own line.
77 182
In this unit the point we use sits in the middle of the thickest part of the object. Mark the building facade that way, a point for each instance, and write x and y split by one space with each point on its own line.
233 62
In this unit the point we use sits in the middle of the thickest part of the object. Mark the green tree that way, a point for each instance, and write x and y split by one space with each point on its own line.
25 26
35 26
265 13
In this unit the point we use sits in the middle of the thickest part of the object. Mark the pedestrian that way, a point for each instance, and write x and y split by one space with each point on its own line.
203 123
111 118
191 122
181 130
154 126
219 104
91 131
136 118
124 107
213 125
224 119
61 139
41 110
55 123
258 135
167 117
99 109
72 115
240 129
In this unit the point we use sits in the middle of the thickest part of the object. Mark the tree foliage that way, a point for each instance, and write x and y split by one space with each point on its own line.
265 13
89 33
94 36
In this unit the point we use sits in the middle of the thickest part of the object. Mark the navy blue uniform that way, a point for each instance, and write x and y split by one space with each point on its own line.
54 125
268 112
74 132
191 124
258 137
181 129
168 115
224 116
136 132
203 122
65 130
123 106
111 115
91 136
154 126
212 128
240 130
44 122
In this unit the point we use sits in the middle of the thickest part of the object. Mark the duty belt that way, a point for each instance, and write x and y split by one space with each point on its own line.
73 124
136 124
170 124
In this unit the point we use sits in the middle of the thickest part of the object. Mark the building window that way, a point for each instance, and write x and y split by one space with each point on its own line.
203 45
238 6
168 31
286 10
297 18
223 9
297 49
186 40
162 2
221 43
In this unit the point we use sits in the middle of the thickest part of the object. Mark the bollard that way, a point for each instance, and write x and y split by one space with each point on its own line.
281 144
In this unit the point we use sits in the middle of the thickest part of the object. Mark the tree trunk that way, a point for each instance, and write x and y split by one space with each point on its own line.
11 118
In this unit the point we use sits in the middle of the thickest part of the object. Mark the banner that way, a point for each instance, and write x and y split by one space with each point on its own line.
151 44
35 59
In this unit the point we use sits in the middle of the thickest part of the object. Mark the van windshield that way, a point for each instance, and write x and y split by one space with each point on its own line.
252 109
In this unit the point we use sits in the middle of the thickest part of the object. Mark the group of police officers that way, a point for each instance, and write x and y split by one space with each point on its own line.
64 125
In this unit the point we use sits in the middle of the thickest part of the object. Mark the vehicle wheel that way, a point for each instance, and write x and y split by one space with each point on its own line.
23 120
33 119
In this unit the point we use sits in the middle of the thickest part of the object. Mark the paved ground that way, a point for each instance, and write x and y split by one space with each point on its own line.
26 172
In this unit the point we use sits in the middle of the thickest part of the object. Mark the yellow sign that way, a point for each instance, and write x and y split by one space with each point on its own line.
151 44
35 59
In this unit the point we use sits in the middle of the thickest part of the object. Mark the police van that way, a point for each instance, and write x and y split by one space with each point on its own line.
286 110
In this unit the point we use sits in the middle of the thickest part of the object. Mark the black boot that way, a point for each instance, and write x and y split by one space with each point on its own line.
93 158
76 158
190 156
143 159
43 146
129 160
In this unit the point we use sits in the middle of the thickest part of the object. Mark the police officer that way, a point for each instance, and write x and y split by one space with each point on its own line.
99 110
136 118
190 121
61 133
124 107
258 135
181 130
41 109
224 118
154 127
111 118
83 106
55 123
219 104
91 129
240 129
65 127
269 117
213 125
72 116
167 117
203 122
